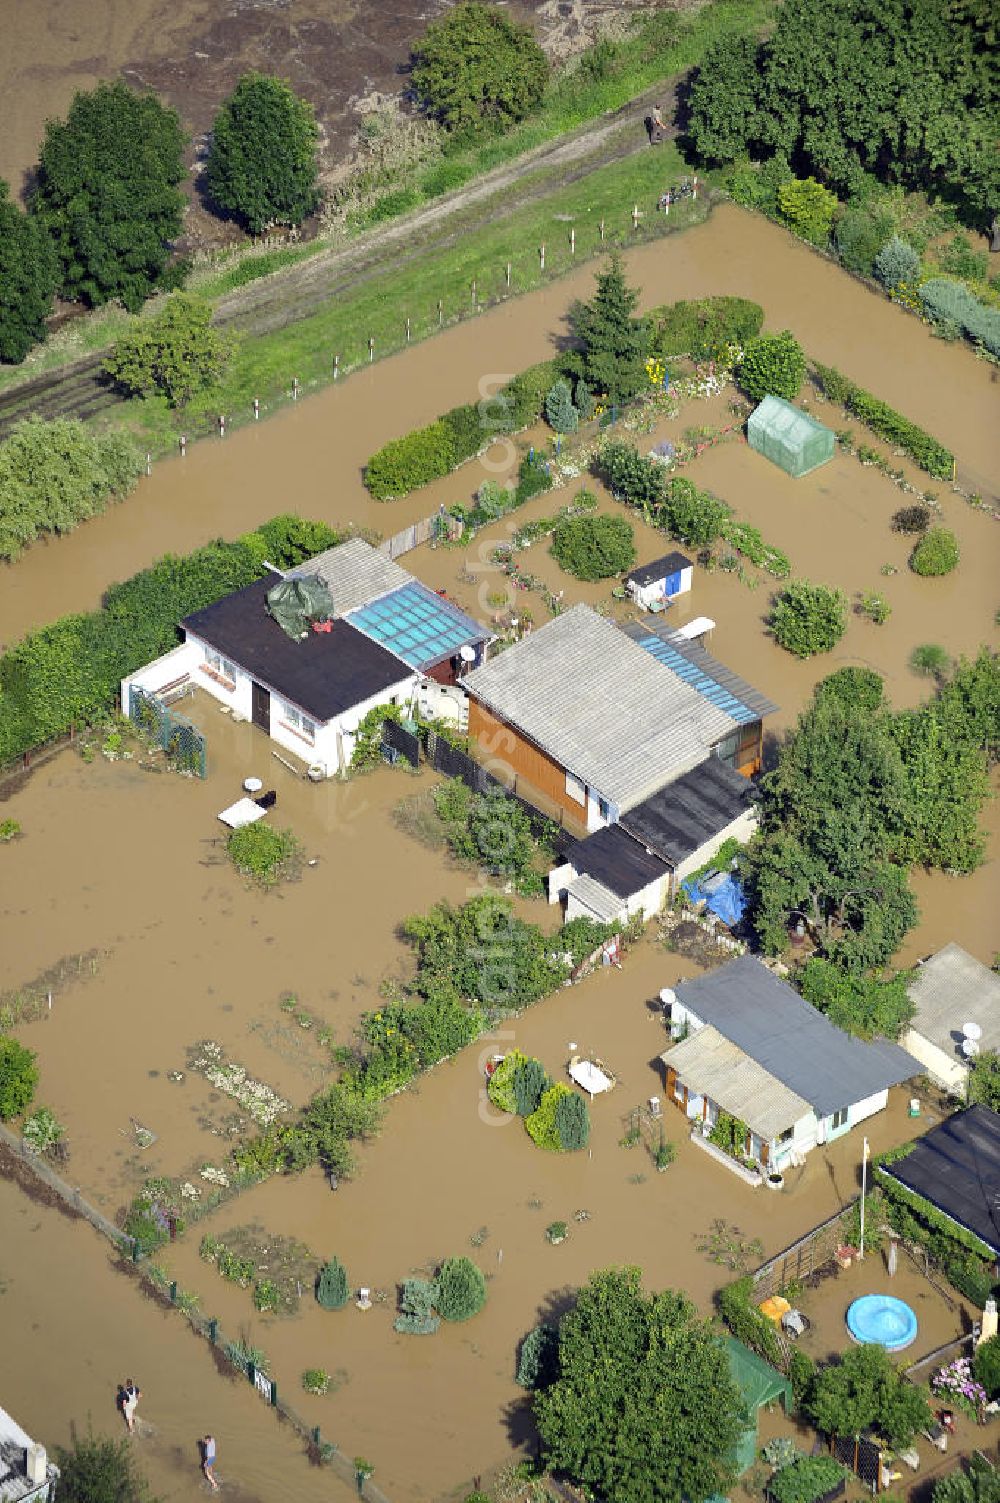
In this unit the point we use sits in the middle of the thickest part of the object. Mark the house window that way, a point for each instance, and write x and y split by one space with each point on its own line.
576 789
219 666
741 747
839 1119
604 809
787 1135
301 724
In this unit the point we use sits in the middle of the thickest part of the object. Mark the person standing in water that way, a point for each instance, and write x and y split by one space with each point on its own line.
208 1461
131 1394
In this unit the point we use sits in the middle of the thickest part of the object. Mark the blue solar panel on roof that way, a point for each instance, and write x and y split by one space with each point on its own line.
697 679
415 624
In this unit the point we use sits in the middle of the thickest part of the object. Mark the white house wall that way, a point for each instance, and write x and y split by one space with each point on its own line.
741 828
940 1066
650 899
861 1110
179 663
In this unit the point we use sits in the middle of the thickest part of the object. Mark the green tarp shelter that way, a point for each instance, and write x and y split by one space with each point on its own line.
296 603
760 1384
788 437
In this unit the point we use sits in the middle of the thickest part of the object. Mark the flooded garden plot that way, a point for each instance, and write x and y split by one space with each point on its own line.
211 1003
448 1177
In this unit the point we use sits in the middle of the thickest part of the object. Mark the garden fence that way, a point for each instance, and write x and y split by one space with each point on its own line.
183 743
439 526
455 763
320 1451
804 1258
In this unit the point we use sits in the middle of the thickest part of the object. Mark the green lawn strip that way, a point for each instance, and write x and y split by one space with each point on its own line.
264 365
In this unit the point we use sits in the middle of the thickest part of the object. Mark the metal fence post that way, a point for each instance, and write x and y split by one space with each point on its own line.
213 1330
274 1394
252 1374
173 1291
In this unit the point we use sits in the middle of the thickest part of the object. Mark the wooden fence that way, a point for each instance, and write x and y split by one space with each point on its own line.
804 1258
441 524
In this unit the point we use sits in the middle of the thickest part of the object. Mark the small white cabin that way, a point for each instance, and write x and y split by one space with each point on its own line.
653 586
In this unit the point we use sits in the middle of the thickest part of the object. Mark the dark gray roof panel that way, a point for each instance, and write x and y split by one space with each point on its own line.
680 818
327 674
617 861
702 659
761 1014
646 574
956 1166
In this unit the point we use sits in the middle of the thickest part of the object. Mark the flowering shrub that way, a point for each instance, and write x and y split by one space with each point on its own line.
256 1098
955 1383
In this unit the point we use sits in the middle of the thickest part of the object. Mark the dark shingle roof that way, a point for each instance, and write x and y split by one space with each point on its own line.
956 1166
324 675
660 568
613 858
681 817
771 1023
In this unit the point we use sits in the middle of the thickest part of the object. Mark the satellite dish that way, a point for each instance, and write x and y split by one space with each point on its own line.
970 1048
667 996
467 654
972 1031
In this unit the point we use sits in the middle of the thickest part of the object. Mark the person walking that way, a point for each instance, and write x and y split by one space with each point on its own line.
208 1461
131 1394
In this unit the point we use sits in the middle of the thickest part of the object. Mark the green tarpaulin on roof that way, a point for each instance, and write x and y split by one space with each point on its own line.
760 1384
296 603
790 438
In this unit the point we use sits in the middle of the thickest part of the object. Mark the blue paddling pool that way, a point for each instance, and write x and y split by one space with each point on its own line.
883 1319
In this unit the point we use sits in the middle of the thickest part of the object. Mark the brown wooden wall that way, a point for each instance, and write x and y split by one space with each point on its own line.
513 759
750 752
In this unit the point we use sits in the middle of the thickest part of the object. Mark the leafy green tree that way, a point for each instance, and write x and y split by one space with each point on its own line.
632 476
808 207
859 1004
18 1078
809 618
644 1409
560 413
501 1083
461 1289
542 1126
805 1479
773 365
986 1362
483 951
613 344
177 353
332 1290
95 1469
854 688
594 547
107 193
859 235
984 1080
476 70
332 1121
723 100
28 279
866 1388
948 781
261 165
693 516
56 474
936 553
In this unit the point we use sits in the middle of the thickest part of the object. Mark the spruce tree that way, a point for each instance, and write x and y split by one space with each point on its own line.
28 270
332 1291
614 344
559 409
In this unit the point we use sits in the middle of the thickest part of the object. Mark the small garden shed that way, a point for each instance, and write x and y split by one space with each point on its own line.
760 1384
788 437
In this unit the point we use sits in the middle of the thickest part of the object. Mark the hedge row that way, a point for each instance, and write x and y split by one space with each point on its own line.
426 454
69 672
953 308
704 327
882 419
55 475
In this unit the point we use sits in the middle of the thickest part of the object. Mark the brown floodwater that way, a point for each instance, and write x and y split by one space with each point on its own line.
78 1328
129 862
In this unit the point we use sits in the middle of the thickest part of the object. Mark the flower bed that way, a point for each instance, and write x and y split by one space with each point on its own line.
954 1382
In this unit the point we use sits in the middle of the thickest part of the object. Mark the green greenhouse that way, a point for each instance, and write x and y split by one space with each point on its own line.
788 437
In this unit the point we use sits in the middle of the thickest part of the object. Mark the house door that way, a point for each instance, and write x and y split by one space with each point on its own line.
261 707
672 585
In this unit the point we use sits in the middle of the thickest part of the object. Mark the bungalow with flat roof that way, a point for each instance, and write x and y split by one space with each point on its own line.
957 1001
956 1168
593 722
381 637
750 1046
26 1473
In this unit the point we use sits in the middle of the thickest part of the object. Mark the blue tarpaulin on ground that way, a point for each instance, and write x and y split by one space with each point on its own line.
721 892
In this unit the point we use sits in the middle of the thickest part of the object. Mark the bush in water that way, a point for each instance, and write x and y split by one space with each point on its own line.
936 553
808 618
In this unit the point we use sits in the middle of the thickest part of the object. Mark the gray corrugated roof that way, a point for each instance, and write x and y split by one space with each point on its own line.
703 659
680 818
713 1066
796 1044
603 903
355 574
600 706
953 988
